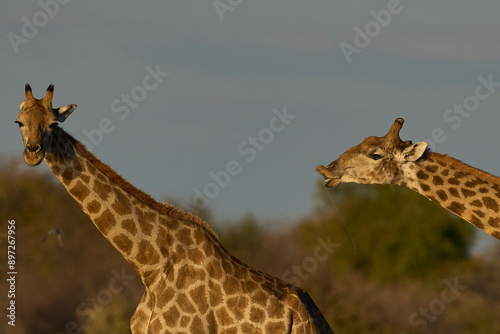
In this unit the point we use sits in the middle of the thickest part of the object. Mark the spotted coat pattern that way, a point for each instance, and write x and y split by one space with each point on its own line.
470 193
192 283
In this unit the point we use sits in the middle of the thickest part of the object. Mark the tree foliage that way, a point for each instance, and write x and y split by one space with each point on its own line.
57 288
388 232
405 248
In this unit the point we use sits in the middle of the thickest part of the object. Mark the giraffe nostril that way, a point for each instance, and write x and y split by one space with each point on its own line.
33 148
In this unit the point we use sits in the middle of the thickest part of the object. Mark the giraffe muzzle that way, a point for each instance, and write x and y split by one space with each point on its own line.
33 154
330 179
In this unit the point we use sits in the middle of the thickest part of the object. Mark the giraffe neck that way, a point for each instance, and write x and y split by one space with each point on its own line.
141 229
470 193
192 283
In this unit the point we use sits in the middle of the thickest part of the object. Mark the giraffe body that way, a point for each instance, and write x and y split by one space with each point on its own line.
470 193
192 283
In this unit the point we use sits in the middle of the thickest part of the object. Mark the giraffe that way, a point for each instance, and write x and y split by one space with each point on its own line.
468 192
192 283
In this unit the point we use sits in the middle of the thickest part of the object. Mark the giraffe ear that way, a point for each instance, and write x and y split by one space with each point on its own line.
63 112
415 151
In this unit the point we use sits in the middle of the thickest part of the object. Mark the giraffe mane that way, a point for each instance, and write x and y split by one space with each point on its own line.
167 209
450 161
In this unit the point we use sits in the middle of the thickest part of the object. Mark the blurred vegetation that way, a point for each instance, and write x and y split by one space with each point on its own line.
59 290
408 267
397 233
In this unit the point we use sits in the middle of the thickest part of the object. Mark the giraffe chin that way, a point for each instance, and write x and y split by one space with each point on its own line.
33 159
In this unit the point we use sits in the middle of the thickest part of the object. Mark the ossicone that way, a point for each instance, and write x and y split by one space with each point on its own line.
393 134
27 91
49 93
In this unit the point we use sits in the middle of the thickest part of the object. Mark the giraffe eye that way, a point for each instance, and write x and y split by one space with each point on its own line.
376 156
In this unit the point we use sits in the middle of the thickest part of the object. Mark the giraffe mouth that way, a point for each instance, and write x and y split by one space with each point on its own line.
33 158
330 183
330 180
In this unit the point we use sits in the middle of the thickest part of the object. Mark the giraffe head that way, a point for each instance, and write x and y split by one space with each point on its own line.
377 160
37 120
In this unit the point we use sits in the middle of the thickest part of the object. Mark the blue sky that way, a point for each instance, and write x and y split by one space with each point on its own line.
228 72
